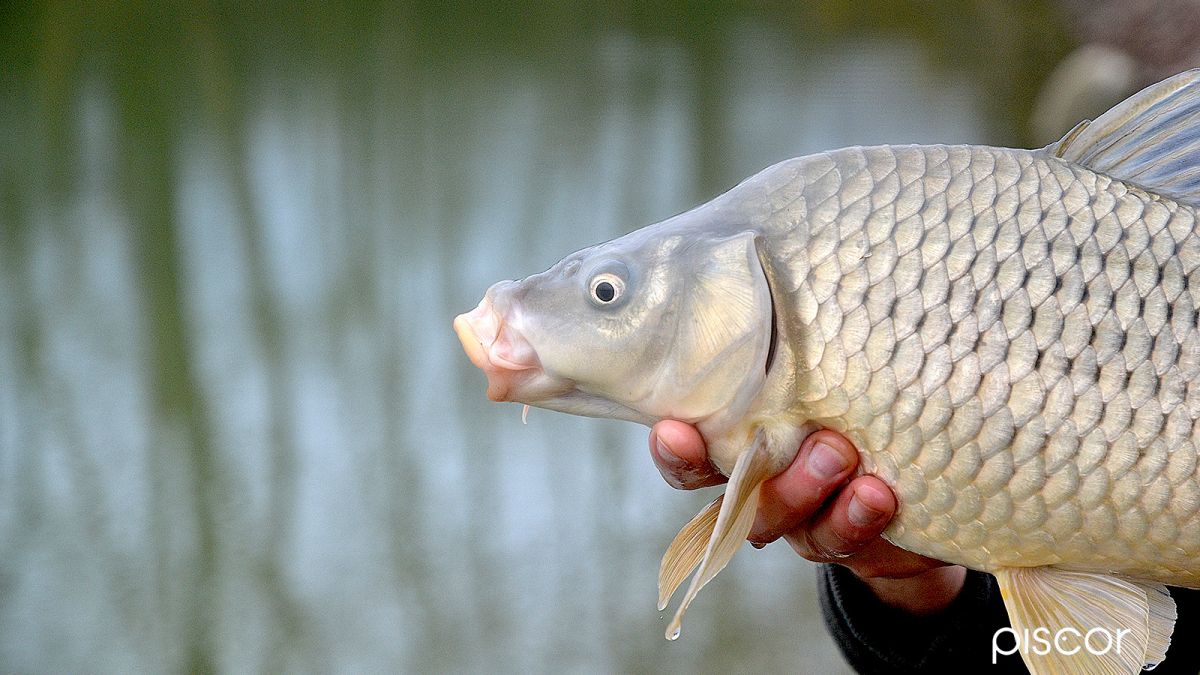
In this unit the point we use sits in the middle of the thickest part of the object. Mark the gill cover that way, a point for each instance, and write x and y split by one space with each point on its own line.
717 360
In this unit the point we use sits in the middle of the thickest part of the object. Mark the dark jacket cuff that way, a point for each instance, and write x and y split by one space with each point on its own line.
877 638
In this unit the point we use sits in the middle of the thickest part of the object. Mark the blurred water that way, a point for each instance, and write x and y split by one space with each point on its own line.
236 431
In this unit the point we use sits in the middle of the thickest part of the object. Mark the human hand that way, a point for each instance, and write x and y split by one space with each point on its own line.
824 512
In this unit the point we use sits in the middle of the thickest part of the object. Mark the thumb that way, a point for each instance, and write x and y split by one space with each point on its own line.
679 453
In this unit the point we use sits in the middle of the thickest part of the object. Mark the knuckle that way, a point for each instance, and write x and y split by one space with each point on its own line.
833 551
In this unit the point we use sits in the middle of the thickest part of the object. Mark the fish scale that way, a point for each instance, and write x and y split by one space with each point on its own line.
1011 339
960 343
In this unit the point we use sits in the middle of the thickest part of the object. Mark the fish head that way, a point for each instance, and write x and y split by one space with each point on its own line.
657 324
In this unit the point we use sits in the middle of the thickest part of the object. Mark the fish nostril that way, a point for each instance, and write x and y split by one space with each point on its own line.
501 295
498 288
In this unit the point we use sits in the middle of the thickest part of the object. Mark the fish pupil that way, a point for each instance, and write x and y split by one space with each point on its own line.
605 292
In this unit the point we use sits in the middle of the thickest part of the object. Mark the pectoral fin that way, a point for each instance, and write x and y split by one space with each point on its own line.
1053 610
734 520
686 551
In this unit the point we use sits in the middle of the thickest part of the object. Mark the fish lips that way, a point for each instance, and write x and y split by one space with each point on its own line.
496 348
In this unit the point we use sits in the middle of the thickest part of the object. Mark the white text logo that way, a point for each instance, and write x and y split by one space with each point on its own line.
1067 641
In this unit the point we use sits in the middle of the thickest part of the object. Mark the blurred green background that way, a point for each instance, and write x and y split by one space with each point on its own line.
236 430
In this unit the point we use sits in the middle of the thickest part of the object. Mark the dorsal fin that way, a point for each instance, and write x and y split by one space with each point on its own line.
1151 139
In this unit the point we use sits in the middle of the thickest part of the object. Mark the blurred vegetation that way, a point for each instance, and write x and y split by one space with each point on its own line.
173 78
169 57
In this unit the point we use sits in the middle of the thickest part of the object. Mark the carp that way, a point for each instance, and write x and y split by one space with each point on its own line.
1010 337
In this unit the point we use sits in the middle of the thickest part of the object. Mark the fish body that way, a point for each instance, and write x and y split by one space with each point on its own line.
1010 337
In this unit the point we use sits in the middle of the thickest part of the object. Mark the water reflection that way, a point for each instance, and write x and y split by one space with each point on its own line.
236 432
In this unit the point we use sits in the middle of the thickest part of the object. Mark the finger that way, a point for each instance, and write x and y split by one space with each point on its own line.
854 519
847 532
679 453
825 460
880 559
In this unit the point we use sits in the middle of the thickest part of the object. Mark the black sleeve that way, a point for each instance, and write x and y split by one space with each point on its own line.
877 638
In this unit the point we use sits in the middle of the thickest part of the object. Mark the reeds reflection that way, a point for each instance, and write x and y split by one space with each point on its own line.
236 432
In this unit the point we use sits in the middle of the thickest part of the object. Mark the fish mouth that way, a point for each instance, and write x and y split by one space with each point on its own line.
496 348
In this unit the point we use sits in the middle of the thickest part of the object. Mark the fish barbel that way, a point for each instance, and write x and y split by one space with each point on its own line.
1010 337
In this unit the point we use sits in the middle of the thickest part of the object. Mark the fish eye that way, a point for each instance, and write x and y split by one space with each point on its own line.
606 288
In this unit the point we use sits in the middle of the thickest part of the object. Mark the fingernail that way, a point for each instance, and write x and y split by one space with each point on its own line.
824 462
666 456
860 514
758 544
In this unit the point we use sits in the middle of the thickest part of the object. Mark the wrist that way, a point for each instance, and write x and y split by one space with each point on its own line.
921 594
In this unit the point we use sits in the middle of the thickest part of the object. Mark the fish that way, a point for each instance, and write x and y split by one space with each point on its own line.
1010 337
